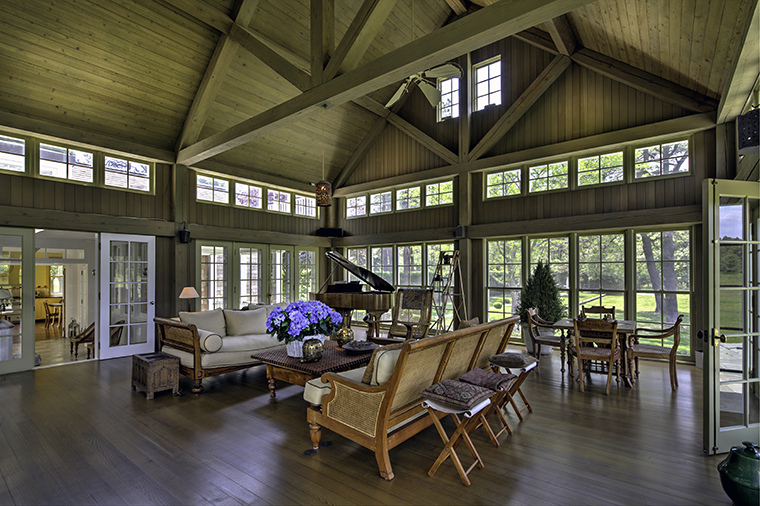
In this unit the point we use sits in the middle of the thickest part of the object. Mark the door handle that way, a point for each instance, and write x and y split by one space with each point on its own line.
151 303
717 339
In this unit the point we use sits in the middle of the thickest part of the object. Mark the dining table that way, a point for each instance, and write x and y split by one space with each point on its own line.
625 330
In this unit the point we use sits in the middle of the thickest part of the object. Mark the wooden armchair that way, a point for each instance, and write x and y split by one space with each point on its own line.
86 336
411 313
543 332
646 350
596 340
598 310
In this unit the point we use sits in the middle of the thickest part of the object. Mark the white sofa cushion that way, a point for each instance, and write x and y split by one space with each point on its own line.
268 307
212 321
240 323
220 358
209 341
381 364
251 343
315 389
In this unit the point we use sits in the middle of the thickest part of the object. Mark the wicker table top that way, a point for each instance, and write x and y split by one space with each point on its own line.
334 359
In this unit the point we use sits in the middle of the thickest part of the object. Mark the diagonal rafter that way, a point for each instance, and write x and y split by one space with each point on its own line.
483 27
562 34
529 97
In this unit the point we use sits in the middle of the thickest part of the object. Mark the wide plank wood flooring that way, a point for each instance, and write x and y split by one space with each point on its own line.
78 435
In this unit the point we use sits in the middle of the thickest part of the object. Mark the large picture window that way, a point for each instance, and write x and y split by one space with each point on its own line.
554 252
409 266
382 262
503 278
601 272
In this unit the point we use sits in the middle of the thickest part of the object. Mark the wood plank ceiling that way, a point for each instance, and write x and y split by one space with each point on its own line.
126 73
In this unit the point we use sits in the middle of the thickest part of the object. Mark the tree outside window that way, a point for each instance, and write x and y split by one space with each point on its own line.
56 281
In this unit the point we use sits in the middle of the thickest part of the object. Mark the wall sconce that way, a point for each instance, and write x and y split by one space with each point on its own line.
184 234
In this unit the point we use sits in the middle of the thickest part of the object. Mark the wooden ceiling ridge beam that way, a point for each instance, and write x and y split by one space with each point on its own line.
530 96
221 59
357 39
322 38
476 30
562 34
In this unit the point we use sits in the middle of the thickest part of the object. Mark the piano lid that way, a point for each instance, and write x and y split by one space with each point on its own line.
368 277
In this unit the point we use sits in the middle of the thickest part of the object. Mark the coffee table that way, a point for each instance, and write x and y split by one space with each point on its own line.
284 368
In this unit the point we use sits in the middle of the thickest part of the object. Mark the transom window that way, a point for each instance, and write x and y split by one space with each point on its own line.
278 201
64 163
408 198
600 169
247 195
438 194
212 189
12 154
356 206
380 203
127 174
306 206
487 83
552 176
662 159
449 106
503 184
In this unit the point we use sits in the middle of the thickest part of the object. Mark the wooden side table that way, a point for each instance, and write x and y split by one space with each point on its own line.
155 372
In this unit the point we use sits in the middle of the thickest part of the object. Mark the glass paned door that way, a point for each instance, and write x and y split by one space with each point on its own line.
251 259
127 295
280 274
732 382
16 300
308 272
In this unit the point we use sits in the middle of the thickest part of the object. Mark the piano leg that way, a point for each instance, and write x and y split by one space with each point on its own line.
373 322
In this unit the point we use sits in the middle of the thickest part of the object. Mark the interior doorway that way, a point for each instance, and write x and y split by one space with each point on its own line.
66 281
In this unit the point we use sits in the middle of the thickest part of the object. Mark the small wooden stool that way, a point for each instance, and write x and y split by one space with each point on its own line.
155 372
459 434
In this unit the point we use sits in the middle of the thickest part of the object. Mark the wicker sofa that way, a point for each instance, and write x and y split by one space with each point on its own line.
215 342
385 409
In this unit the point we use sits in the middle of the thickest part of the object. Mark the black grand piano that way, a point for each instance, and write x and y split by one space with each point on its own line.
345 297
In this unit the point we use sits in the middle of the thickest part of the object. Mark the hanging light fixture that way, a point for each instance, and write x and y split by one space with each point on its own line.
324 188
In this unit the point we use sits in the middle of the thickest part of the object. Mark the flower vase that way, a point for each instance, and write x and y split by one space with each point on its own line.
295 348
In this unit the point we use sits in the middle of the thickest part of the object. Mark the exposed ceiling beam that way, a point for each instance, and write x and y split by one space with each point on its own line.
367 22
562 34
539 39
745 72
322 37
529 97
423 138
500 20
644 81
223 56
457 6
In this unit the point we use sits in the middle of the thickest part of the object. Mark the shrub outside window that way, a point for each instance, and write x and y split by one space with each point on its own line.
438 194
248 195
63 163
503 184
12 154
408 198
380 203
488 84
449 106
662 159
127 174
356 206
278 201
600 169
212 189
552 176
554 252
306 206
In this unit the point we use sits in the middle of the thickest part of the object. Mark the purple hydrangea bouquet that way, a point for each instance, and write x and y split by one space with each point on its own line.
301 319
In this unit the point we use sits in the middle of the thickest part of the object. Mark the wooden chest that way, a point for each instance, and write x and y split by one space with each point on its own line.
155 372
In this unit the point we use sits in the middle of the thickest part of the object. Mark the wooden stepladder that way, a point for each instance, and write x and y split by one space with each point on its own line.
445 297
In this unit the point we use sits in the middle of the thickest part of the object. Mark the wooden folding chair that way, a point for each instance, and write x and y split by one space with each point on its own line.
460 434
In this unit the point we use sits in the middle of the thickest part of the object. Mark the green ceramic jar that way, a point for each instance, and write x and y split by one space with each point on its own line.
740 474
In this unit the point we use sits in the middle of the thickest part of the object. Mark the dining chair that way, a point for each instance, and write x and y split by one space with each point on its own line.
646 350
596 340
599 310
543 332
84 337
51 315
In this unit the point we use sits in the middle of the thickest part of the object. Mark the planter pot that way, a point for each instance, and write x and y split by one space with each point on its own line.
740 474
295 348
545 349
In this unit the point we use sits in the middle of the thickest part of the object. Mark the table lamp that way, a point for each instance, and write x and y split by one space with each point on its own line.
189 292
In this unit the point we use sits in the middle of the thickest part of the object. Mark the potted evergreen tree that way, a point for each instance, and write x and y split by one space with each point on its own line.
540 292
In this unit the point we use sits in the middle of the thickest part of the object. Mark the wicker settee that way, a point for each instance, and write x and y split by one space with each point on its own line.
381 416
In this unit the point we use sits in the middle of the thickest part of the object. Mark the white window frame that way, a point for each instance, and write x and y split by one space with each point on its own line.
482 101
452 94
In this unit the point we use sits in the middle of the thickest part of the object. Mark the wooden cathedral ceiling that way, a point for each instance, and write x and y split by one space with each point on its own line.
235 86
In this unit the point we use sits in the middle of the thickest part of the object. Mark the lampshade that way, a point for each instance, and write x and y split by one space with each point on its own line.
324 194
5 294
189 292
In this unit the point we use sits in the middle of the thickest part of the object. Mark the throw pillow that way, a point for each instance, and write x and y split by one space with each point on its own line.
209 341
213 321
487 379
370 375
512 360
457 394
241 323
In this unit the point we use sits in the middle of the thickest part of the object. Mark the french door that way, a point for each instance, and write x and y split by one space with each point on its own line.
731 347
127 293
280 274
16 300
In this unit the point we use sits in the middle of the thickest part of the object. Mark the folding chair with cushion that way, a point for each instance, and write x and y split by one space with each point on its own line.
411 313
647 350
543 332
596 340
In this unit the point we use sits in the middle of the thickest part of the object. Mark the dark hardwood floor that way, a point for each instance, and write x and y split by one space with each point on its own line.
78 435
